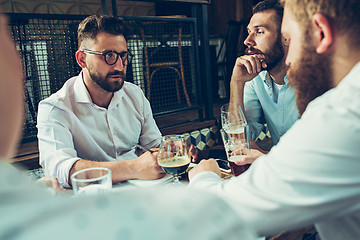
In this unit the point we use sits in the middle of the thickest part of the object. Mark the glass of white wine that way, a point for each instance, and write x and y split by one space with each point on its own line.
174 156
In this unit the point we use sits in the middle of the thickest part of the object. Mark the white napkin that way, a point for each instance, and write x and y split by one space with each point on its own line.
147 183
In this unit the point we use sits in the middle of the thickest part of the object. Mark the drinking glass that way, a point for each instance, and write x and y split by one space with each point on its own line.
235 135
174 156
91 181
233 153
232 116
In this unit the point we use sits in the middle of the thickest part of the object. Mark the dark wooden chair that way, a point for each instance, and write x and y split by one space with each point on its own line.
154 41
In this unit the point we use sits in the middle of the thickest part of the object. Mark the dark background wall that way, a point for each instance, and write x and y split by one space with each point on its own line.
219 12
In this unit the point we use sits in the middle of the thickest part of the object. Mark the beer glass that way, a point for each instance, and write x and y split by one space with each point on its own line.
235 135
174 156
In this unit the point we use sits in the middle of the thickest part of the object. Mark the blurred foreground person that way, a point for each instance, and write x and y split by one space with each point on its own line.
11 94
28 211
312 175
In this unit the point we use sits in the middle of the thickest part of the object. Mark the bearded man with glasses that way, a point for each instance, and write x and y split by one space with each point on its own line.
96 118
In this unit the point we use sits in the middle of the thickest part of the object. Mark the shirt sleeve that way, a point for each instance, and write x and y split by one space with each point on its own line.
253 110
311 176
56 146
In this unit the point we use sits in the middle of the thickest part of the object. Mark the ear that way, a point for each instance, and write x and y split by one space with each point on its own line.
80 58
323 32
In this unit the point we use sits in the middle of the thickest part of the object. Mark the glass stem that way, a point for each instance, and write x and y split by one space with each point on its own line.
176 179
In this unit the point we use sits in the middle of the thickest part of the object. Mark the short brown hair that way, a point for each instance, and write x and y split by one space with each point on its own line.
91 26
343 13
271 5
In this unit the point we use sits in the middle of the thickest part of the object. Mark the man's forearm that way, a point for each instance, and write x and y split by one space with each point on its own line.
237 94
121 170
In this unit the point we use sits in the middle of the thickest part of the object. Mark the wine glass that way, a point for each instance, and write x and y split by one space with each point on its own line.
174 156
235 135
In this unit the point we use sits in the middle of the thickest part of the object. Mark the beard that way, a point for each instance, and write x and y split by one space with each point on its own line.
310 75
105 82
273 55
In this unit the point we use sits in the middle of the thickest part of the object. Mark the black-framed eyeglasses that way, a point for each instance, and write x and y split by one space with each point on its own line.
111 57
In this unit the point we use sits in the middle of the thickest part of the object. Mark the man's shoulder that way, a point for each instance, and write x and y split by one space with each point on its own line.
132 89
131 86
63 94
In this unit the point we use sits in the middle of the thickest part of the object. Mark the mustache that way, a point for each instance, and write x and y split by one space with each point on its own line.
252 50
122 74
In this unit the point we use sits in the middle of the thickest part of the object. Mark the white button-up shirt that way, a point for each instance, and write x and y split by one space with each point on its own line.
263 100
312 176
71 127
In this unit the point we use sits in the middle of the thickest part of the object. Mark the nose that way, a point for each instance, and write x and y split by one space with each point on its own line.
119 66
249 41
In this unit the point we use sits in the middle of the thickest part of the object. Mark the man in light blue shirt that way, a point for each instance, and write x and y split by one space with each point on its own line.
264 98
259 82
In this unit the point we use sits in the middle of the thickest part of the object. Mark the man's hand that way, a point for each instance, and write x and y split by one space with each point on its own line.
53 183
247 67
254 145
205 166
193 152
248 156
147 167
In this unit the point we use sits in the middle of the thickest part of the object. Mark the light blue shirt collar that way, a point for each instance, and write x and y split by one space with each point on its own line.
265 76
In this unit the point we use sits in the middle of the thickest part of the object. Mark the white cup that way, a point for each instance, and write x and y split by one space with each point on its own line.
91 181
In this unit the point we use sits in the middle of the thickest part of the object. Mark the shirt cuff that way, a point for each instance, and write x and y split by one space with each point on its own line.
204 179
62 172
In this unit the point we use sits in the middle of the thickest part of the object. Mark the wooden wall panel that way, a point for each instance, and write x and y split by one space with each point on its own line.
222 11
82 7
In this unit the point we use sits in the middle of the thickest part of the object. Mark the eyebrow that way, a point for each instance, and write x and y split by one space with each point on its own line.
259 26
262 26
112 50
